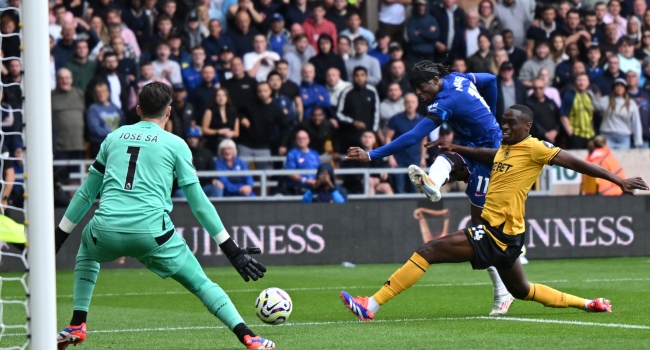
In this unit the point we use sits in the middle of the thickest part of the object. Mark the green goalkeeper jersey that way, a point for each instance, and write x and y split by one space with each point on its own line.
141 161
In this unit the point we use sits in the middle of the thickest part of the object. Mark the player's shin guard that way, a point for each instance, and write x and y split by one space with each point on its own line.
402 279
550 297
85 277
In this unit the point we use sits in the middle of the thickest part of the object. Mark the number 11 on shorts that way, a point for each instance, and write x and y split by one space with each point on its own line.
480 181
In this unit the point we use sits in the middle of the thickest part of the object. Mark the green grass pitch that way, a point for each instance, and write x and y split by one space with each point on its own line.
135 309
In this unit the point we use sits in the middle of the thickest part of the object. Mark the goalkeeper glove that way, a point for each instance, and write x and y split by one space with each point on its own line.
241 260
59 237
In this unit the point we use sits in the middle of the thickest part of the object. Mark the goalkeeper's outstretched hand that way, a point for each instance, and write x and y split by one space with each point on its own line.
247 267
59 237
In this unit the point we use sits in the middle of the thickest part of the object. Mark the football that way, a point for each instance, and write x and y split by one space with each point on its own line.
273 306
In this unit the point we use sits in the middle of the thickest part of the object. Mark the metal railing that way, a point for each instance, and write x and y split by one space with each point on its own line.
264 180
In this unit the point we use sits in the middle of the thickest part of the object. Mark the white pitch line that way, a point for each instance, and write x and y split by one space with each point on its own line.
403 320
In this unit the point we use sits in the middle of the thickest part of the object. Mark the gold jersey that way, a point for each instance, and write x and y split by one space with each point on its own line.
514 171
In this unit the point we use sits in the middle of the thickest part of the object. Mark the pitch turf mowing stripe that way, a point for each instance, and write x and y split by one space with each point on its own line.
424 285
403 320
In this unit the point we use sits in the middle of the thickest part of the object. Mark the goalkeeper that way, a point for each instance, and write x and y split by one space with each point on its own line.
134 171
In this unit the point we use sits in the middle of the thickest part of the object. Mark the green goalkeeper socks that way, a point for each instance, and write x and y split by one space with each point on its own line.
192 277
85 276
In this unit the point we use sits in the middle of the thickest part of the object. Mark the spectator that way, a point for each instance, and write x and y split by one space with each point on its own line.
397 75
511 91
542 32
355 30
260 117
113 18
312 93
324 190
245 6
287 105
103 118
497 42
358 110
214 43
644 50
499 58
550 91
621 119
379 183
12 92
68 118
240 85
135 18
393 104
298 58
335 86
396 54
233 186
451 19
633 31
392 15
182 115
578 68
165 68
192 74
60 13
612 72
289 88
563 70
531 68
515 55
645 81
115 32
125 65
488 20
203 94
278 36
146 75
557 49
320 130
626 58
82 69
547 124
118 84
515 17
639 9
609 46
178 53
459 65
577 114
423 31
337 14
361 59
481 61
344 47
169 8
220 121
261 62
326 59
224 66
195 31
316 25
472 32
202 160
642 99
164 30
602 156
296 30
591 26
380 52
593 64
11 43
266 9
301 157
297 13
613 15
600 8
62 51
242 34
573 33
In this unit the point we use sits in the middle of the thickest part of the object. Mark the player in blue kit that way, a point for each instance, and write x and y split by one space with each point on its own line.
453 98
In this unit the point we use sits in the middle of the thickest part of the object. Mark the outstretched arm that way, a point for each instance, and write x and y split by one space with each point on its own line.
484 155
569 161
84 198
405 141
486 83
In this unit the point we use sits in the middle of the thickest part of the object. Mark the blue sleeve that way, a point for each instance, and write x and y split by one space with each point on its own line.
325 103
337 197
95 124
411 27
225 180
291 161
311 99
405 141
431 35
487 84
307 197
567 103
249 178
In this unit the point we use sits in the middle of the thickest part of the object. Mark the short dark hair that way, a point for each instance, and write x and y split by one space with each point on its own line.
539 43
282 61
574 11
58 7
506 31
525 111
109 54
145 63
197 47
360 39
162 43
154 99
546 8
299 37
591 13
627 41
358 68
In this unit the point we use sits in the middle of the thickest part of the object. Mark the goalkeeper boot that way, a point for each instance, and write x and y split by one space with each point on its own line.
358 306
423 182
71 335
599 305
502 304
258 342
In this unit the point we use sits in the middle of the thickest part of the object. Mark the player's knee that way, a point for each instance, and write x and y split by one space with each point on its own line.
428 251
457 162
518 291
86 265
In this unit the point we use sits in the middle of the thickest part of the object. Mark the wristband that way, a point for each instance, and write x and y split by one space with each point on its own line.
66 225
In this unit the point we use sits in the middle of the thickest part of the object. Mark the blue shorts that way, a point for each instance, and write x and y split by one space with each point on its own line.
477 184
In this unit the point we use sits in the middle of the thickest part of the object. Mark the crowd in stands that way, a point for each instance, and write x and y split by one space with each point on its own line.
303 78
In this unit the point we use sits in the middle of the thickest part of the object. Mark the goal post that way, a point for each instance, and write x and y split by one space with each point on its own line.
39 175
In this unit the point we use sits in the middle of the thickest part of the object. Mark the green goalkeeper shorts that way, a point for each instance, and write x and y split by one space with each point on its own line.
163 253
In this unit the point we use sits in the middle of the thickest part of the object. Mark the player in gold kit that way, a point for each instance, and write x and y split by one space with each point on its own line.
516 165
